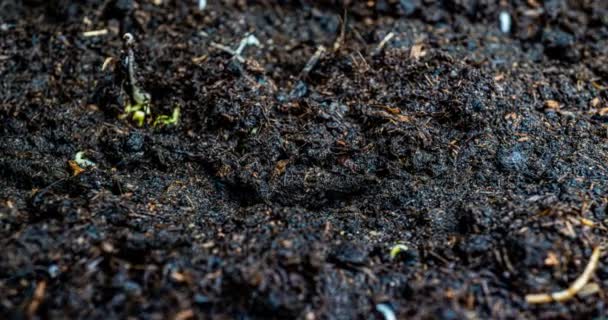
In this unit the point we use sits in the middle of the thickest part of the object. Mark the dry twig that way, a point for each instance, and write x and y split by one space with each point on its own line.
312 62
576 286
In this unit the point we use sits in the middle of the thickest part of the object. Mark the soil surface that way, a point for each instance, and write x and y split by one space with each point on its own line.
285 184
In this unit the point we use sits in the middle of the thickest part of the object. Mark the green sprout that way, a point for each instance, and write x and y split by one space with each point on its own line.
139 100
397 249
165 120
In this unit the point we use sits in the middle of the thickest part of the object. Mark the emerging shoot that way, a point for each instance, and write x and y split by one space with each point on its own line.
139 100
81 161
397 249
164 120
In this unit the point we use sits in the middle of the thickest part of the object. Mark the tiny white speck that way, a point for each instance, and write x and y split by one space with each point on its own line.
202 4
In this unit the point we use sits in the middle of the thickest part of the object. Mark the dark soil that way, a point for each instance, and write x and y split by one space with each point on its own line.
280 193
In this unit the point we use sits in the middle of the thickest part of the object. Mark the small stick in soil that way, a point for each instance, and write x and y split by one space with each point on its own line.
106 63
95 33
340 40
138 95
312 62
576 286
184 315
383 43
36 299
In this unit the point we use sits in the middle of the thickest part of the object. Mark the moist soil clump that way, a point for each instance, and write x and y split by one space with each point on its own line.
288 180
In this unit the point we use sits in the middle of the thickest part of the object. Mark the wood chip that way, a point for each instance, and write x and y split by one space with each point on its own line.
551 260
417 51
178 276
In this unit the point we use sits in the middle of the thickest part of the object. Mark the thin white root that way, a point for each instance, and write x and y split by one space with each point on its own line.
383 43
223 48
386 311
576 286
249 40
81 161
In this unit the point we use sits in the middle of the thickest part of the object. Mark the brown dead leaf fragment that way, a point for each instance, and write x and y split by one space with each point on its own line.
391 109
279 169
76 169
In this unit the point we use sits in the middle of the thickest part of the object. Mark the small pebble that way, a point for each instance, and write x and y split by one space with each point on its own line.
135 142
53 271
409 6
201 299
512 160
132 288
505 22
350 254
